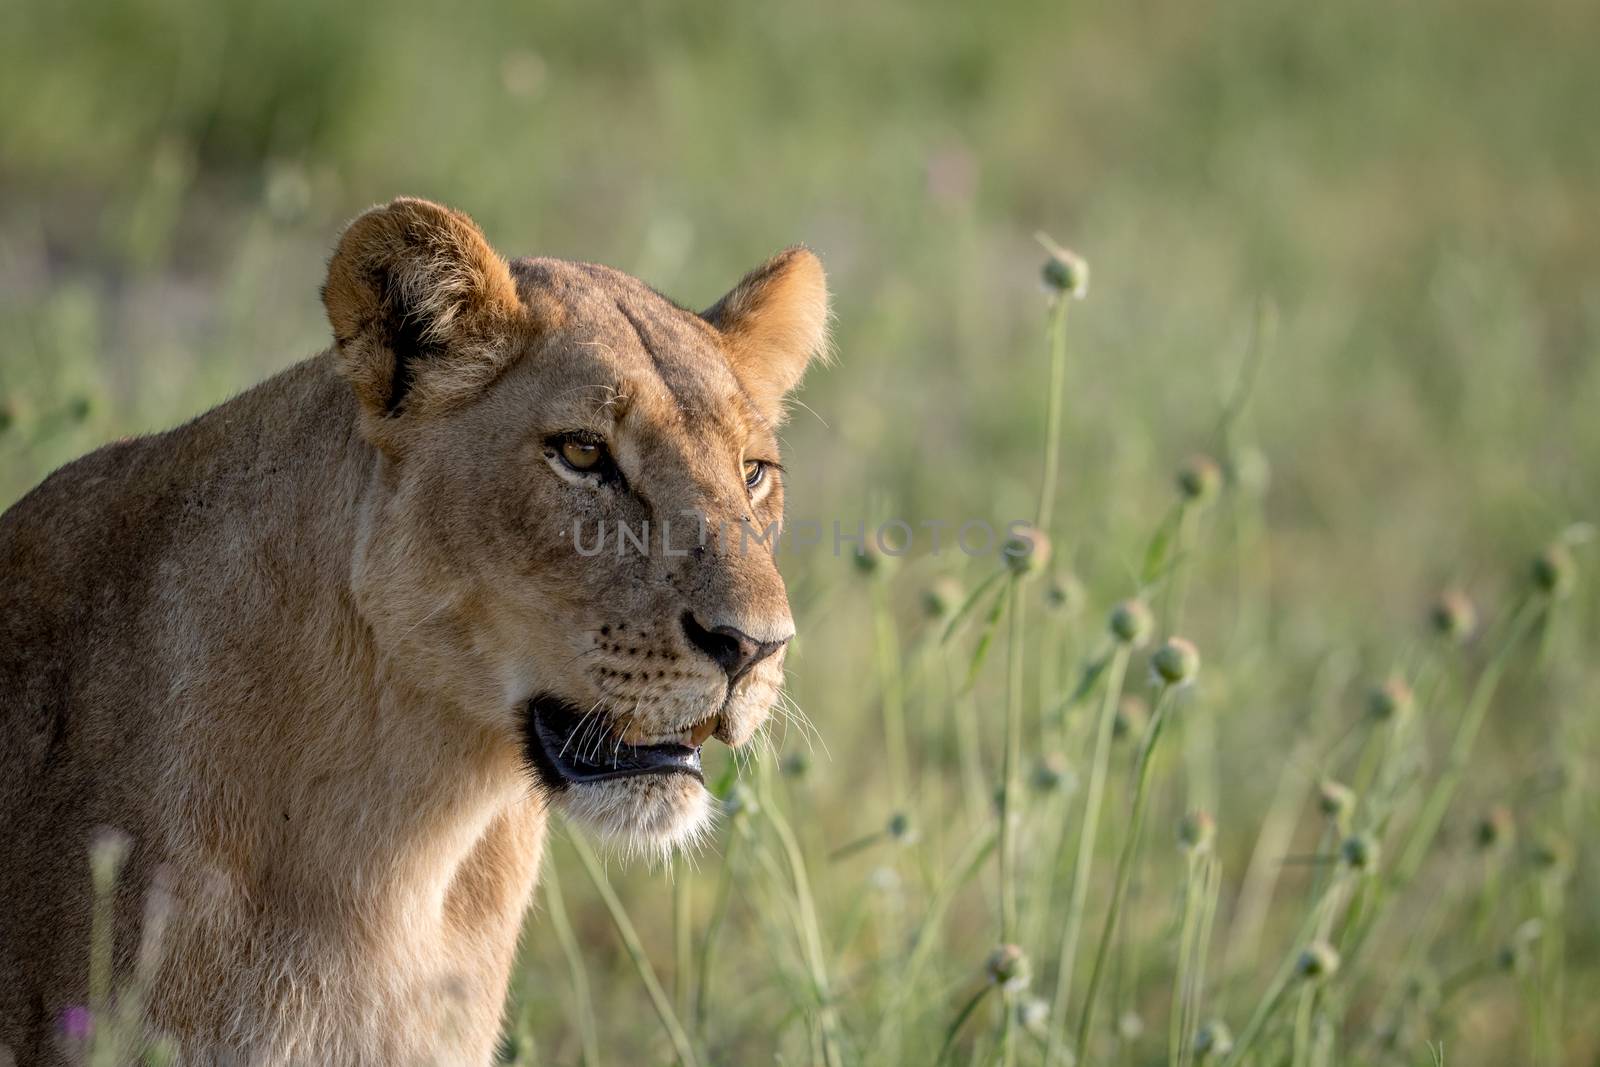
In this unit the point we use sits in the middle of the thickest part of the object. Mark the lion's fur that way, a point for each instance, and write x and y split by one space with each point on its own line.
285 647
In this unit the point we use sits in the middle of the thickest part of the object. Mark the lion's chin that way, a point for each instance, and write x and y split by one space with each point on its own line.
649 814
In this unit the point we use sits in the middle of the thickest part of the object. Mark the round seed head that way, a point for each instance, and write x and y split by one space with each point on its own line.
1496 827
1390 700
1131 715
1066 272
1130 1026
1131 622
1064 594
1033 1015
1026 550
1197 831
870 559
1550 853
1359 852
740 802
1176 662
1008 968
1213 1041
1199 479
1318 961
797 765
1453 616
1554 572
941 599
1052 772
1336 800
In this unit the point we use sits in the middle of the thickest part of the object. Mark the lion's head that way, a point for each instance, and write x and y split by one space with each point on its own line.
568 539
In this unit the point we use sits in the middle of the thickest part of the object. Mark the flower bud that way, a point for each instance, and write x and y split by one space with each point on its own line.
1335 800
870 559
1554 572
1026 550
1390 700
1052 772
1176 662
1213 1041
1008 968
1197 831
1131 715
1199 479
1065 272
1496 827
1550 853
1453 616
942 597
1131 622
1359 852
797 765
1064 594
1319 960
740 801
1033 1015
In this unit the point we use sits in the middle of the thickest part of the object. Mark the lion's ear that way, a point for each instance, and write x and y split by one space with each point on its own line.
424 312
774 322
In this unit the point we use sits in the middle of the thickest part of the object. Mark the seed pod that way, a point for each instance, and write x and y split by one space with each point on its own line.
1176 662
1131 622
1131 715
901 829
1199 478
1052 772
1064 272
1359 852
941 599
1453 616
740 801
1033 1015
1064 594
1213 1041
1026 550
1318 961
870 559
1550 853
1335 800
1197 831
1390 700
1496 827
1008 968
1554 572
797 765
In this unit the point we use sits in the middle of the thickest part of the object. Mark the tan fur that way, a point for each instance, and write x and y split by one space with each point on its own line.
287 648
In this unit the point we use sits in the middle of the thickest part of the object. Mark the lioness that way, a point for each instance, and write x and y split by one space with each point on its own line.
330 653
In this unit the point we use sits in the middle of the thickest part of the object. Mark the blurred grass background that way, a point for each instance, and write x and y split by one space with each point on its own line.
1405 192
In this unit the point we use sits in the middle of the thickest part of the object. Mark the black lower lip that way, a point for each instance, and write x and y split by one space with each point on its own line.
564 753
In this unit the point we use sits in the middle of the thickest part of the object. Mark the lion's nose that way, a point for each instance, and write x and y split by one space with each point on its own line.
733 650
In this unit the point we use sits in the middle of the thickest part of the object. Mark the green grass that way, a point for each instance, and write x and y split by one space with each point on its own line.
1349 251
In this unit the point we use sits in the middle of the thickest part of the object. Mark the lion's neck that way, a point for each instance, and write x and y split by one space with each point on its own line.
357 792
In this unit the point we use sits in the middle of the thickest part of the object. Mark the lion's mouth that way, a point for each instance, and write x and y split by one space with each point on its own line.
567 747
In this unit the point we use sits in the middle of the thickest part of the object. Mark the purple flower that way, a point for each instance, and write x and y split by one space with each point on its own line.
75 1023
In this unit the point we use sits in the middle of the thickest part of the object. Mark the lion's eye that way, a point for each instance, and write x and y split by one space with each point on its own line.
755 472
583 455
